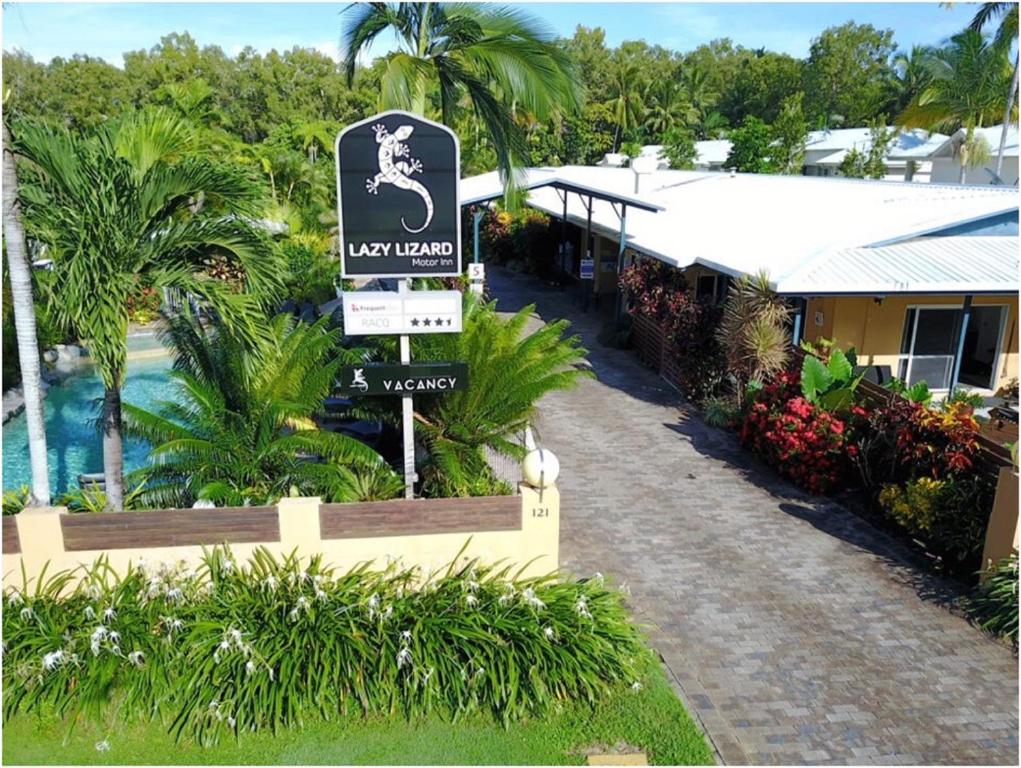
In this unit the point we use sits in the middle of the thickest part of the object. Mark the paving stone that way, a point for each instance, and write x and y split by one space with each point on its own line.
855 658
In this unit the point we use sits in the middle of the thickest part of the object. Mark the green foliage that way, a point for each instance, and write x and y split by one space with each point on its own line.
227 649
789 133
631 149
496 59
239 430
918 392
679 148
869 163
750 147
720 411
830 384
966 396
91 498
510 370
311 270
995 602
15 500
847 72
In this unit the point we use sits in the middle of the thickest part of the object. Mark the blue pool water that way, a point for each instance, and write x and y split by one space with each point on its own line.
74 443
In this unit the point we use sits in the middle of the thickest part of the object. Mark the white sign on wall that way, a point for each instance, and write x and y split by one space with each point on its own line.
375 313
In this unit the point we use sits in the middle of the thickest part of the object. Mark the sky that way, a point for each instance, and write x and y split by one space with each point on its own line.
107 30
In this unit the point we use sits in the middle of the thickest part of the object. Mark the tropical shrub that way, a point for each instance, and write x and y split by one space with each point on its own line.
229 648
720 411
523 236
916 393
804 442
143 306
995 602
689 325
753 331
510 370
240 430
16 499
311 271
830 385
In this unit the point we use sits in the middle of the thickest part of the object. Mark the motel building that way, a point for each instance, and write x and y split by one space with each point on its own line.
920 278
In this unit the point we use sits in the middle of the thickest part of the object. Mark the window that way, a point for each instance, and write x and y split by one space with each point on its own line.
929 343
712 287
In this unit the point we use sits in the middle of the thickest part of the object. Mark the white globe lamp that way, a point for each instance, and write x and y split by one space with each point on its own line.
541 468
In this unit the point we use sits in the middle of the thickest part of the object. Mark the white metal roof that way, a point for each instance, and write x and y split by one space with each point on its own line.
743 223
925 265
579 178
714 151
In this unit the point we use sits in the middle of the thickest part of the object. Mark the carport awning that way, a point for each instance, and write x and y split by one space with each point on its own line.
489 186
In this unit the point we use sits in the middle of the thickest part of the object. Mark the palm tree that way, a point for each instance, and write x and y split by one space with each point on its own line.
1006 36
315 135
240 430
626 101
25 328
910 74
668 107
511 370
132 206
967 81
501 59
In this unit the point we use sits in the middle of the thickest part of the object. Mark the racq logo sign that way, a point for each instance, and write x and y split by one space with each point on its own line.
397 197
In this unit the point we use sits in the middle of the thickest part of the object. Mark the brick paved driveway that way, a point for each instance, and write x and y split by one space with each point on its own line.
795 632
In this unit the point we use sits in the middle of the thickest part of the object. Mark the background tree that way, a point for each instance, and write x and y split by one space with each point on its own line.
750 147
500 59
790 133
848 72
910 75
870 163
679 148
968 78
117 210
626 100
760 84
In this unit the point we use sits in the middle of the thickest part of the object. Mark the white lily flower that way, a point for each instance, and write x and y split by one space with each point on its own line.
231 722
471 600
109 614
115 637
473 586
27 613
428 674
53 659
549 632
320 595
103 746
636 686
406 636
403 657
174 594
582 607
249 667
90 613
14 598
136 658
270 583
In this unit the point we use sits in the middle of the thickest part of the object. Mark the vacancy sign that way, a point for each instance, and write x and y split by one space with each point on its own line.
398 181
375 313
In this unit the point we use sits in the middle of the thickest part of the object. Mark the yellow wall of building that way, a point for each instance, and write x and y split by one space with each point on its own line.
875 329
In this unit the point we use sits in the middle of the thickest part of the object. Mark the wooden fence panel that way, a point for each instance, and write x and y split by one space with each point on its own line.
419 517
11 540
170 528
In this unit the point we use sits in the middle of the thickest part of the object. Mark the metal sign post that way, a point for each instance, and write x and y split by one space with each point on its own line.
407 411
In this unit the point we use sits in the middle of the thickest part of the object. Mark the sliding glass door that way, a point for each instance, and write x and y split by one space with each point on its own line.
930 340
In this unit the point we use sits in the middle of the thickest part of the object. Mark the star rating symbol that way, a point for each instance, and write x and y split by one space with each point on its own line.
439 321
414 322
448 321
427 322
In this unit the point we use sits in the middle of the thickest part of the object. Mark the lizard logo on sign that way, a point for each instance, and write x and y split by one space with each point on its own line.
358 380
399 211
398 173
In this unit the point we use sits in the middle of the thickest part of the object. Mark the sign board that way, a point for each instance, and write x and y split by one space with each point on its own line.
398 180
587 269
377 313
392 379
477 272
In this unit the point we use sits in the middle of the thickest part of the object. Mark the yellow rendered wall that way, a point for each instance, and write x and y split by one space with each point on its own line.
536 543
875 329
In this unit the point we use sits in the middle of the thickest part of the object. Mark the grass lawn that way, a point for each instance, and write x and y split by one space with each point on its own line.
652 719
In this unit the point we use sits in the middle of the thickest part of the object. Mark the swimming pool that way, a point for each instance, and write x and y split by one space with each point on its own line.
74 443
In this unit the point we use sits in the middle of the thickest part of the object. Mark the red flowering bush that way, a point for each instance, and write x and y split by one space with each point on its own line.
144 306
802 441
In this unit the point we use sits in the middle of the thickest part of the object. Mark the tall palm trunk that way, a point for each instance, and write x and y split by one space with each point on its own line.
24 324
113 449
1011 96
